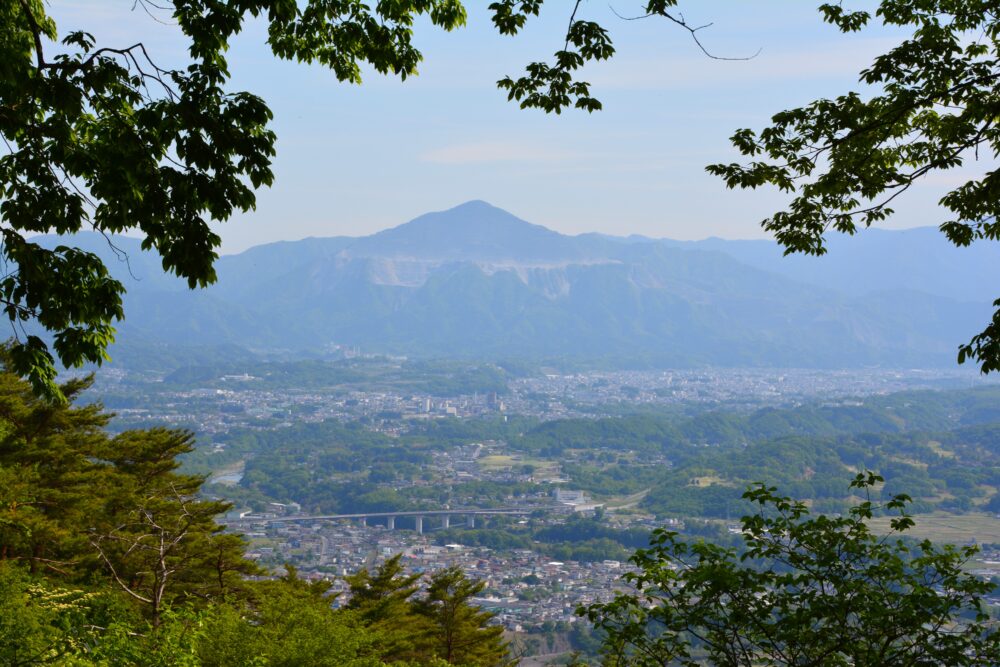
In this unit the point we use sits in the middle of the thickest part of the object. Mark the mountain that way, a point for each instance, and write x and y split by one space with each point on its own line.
474 231
477 282
877 259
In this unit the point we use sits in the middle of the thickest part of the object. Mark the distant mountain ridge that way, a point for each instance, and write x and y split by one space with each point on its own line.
477 282
878 259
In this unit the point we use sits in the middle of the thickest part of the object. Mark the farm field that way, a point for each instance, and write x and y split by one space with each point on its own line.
948 528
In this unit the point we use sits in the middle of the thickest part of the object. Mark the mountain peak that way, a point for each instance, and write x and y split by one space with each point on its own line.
475 205
473 231
476 213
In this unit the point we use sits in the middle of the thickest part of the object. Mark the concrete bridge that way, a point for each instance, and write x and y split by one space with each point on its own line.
418 516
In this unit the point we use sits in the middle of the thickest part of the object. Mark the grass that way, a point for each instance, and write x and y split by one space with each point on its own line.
709 480
502 461
497 461
939 450
946 528
626 502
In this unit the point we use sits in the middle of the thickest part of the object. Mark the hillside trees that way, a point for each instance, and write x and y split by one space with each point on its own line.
442 622
48 470
30 619
75 501
459 631
805 590
287 622
383 600
164 536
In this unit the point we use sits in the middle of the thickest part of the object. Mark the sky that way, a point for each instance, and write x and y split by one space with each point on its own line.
353 160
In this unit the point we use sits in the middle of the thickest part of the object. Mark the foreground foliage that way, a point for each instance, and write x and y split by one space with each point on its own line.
804 591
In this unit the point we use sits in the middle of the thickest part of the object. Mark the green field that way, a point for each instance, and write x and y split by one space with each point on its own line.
949 528
542 467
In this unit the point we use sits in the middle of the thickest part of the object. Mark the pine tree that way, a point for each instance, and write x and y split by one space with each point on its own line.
75 501
382 601
384 594
159 540
50 478
460 632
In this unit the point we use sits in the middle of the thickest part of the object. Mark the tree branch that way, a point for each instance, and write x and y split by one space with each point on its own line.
682 22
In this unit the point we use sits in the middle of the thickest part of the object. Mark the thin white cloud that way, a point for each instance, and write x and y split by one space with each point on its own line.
845 58
495 151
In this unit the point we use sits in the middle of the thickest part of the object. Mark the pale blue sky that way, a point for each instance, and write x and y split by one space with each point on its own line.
354 160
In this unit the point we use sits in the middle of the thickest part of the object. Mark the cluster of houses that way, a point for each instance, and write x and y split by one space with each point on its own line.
524 588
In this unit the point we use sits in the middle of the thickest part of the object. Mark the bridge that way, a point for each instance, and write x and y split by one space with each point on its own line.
418 516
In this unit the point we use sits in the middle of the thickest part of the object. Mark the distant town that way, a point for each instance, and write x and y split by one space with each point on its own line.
236 400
